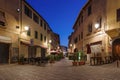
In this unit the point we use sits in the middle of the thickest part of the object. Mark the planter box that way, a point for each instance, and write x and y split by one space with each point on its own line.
52 61
74 63
81 63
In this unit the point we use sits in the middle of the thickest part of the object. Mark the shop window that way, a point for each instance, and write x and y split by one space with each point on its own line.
27 11
118 14
35 18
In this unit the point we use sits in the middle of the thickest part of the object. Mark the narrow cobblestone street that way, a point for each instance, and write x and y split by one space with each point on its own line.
62 70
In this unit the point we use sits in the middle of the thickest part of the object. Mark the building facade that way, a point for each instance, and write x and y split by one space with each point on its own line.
96 29
55 41
15 39
64 50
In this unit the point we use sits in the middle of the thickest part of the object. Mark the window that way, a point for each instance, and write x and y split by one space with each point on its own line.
75 40
27 11
81 19
41 23
118 14
41 37
100 22
29 32
35 18
79 22
89 28
2 18
36 34
44 38
44 26
2 23
89 10
81 35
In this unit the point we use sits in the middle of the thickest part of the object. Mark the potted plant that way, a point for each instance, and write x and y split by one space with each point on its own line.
74 59
81 58
51 58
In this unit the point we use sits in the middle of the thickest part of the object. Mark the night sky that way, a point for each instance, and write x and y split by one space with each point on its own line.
60 15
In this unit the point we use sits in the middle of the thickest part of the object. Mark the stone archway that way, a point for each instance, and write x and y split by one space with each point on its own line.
116 48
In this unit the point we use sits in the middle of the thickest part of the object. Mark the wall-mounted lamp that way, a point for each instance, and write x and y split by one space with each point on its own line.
50 41
26 28
97 25
70 45
18 10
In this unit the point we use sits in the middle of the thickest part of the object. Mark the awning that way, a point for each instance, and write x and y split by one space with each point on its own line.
54 52
113 32
5 39
28 44
42 46
25 43
96 48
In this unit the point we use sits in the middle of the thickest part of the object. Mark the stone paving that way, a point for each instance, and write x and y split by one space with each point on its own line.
62 70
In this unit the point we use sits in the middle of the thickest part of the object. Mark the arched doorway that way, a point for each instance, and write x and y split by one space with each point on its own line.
116 48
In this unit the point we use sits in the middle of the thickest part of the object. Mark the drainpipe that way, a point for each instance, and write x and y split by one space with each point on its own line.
20 22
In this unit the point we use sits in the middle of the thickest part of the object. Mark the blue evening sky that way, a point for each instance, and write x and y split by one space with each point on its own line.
60 15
